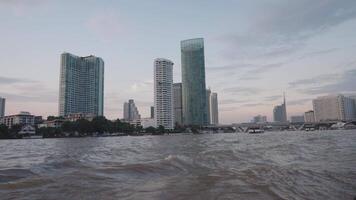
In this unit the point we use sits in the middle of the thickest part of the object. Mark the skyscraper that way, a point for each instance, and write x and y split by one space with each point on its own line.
193 82
177 103
208 105
280 112
2 107
163 93
81 87
214 109
131 113
152 110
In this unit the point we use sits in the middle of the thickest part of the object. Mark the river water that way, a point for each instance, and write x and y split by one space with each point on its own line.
283 165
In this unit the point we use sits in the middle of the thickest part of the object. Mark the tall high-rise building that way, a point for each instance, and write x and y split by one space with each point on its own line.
2 107
193 82
152 110
81 87
214 109
131 113
309 116
334 108
177 103
163 93
208 105
280 112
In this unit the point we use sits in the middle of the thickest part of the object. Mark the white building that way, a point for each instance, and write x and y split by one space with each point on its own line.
163 93
2 107
333 108
214 109
23 118
131 114
147 122
309 116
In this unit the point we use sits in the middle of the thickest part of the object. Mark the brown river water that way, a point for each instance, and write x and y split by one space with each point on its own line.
273 165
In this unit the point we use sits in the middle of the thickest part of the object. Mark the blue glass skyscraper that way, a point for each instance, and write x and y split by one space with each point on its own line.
193 82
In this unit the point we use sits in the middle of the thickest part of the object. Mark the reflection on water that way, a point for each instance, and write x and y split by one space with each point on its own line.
291 165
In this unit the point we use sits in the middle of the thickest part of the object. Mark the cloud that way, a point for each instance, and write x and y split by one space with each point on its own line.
106 26
9 80
299 102
285 26
321 79
246 91
342 83
273 98
232 101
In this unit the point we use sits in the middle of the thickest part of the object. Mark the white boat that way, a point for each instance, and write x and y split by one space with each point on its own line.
255 130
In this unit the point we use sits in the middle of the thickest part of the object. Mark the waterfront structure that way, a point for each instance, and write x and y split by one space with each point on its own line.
297 119
309 116
214 109
131 114
76 116
334 108
81 85
259 119
147 122
152 110
280 112
208 106
177 104
23 118
2 107
349 108
163 93
193 82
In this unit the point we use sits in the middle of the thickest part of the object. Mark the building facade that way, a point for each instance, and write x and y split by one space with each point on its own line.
81 85
152 111
309 116
131 114
208 105
177 104
259 119
23 118
163 93
280 112
297 119
193 82
334 108
2 107
214 109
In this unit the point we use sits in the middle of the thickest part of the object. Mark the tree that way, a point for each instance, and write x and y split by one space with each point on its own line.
100 124
4 132
161 130
151 130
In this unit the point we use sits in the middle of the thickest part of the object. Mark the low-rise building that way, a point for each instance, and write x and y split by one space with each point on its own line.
147 122
297 119
23 118
76 116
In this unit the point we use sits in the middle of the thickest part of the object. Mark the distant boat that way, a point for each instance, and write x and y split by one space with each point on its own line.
255 130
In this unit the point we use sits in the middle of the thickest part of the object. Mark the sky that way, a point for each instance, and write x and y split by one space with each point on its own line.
254 50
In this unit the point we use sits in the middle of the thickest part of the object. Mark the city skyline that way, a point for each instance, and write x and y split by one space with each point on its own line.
250 58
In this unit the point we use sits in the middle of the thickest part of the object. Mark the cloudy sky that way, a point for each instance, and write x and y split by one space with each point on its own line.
254 50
